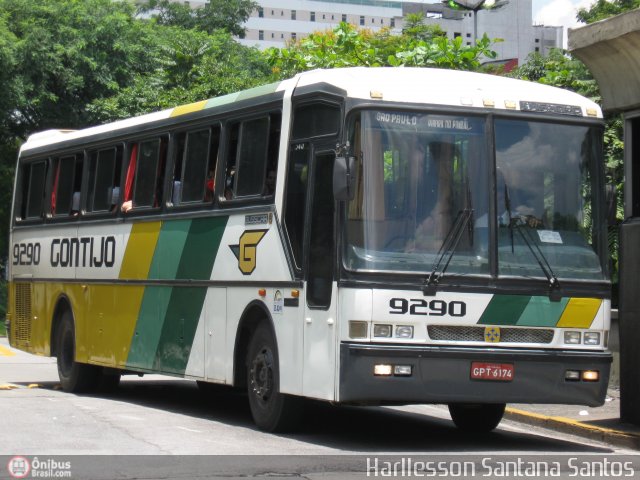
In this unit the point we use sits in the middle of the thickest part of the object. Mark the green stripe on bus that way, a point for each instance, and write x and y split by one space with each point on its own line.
542 312
169 248
504 310
146 338
185 305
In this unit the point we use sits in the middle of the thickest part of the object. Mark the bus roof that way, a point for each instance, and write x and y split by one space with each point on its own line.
385 84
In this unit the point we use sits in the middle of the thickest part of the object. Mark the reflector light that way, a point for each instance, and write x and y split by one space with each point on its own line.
358 329
262 292
402 370
572 375
382 370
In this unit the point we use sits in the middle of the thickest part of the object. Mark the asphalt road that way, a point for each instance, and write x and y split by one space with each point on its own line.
158 416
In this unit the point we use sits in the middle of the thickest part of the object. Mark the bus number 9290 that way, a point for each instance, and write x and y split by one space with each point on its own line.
419 306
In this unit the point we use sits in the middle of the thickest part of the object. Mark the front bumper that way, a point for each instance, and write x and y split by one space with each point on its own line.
442 375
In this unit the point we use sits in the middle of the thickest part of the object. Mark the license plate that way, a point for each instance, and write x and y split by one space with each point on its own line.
502 372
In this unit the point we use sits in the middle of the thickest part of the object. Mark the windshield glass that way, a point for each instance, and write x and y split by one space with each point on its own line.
420 178
423 182
545 186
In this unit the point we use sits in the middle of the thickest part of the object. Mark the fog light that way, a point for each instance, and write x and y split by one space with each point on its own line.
358 329
402 370
572 338
572 375
382 370
404 331
381 330
592 338
590 375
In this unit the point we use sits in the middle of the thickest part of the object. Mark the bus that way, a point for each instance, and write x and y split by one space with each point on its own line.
360 236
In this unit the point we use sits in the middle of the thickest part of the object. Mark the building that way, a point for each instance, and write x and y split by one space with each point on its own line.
277 22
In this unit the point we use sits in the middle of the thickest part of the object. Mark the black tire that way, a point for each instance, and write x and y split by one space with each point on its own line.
74 377
272 411
476 417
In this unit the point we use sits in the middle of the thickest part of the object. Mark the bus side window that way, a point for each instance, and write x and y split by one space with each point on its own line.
34 176
194 169
143 181
252 157
104 179
67 181
296 198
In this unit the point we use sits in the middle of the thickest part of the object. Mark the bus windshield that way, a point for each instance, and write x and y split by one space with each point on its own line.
424 191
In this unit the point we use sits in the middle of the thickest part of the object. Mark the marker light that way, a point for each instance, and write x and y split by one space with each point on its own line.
572 375
592 338
404 331
572 338
382 370
402 370
358 329
590 375
381 330
262 292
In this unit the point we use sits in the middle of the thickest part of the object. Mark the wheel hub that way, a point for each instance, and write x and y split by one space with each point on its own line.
262 374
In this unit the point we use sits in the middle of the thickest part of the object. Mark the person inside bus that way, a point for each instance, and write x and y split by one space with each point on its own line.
435 225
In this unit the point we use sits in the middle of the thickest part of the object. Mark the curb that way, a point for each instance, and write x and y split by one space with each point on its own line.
611 436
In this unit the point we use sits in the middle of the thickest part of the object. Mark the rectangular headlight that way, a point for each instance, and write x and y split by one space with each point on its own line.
382 370
404 331
381 330
572 338
592 338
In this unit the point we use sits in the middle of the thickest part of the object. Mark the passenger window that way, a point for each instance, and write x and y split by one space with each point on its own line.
34 177
252 157
143 182
104 180
194 170
67 182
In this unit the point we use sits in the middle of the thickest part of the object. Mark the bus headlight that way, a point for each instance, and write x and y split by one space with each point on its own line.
404 331
381 330
592 338
572 338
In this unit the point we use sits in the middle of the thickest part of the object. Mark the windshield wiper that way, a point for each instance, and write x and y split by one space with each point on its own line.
447 250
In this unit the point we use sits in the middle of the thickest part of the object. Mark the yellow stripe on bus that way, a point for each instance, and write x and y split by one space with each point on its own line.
140 249
580 313
192 107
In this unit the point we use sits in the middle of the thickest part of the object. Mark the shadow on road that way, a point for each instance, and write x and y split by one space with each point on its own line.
352 429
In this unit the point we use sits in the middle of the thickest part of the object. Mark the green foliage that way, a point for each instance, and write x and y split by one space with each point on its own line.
191 66
346 46
415 27
602 9
217 15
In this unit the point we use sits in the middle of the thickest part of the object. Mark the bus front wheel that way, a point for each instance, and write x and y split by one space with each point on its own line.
477 418
74 377
271 410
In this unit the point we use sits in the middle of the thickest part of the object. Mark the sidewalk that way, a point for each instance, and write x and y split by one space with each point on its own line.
596 423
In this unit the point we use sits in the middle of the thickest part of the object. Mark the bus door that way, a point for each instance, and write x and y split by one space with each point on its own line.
320 295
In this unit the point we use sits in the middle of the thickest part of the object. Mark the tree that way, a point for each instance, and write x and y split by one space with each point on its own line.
602 9
414 27
345 46
216 15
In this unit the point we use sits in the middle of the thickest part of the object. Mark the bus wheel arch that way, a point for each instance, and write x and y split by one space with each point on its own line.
254 314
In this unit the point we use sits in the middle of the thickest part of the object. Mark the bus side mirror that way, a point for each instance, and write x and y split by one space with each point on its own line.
344 176
612 205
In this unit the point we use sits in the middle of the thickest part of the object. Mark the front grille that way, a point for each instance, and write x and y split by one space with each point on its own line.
22 329
452 333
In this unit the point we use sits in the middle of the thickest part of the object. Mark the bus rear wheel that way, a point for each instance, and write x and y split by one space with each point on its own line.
271 410
476 417
74 377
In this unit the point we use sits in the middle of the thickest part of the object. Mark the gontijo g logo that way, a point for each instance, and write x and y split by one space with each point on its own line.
246 251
